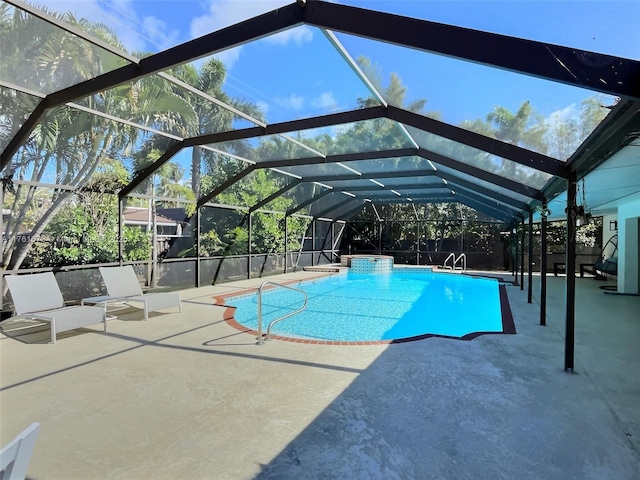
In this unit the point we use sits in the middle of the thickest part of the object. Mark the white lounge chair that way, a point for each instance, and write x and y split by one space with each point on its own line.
15 457
38 297
123 286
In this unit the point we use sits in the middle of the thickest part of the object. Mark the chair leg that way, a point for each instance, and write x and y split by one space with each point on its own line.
53 330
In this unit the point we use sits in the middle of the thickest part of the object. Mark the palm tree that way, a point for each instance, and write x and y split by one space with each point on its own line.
394 93
522 128
208 116
70 140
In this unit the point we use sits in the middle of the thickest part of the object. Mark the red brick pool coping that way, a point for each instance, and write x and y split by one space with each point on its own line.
508 325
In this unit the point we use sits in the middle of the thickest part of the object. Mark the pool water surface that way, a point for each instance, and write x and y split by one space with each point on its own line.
359 307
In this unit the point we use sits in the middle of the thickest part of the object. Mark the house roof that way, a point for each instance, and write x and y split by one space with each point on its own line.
141 216
175 214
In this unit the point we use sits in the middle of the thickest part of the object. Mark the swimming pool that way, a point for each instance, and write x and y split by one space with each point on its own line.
381 308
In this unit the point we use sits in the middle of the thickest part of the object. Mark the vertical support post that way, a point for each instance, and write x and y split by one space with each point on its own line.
286 243
149 227
260 338
417 243
154 242
332 240
338 239
530 270
120 231
461 231
313 241
380 239
515 255
522 256
249 246
415 212
196 235
570 269
543 264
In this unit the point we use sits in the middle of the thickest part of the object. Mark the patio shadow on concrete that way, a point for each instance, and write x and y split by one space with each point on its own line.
495 407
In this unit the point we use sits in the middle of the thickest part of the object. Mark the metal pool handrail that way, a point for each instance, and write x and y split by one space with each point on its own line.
268 335
462 258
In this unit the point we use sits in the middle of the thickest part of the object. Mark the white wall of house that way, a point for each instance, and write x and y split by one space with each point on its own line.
629 245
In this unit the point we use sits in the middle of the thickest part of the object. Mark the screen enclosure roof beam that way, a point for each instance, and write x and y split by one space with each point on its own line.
253 29
583 69
490 145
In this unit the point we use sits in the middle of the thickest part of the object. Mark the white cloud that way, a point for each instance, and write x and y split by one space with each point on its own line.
223 13
158 33
298 35
263 106
229 57
325 101
137 34
568 112
292 102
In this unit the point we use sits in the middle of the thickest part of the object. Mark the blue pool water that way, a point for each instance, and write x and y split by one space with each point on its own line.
358 307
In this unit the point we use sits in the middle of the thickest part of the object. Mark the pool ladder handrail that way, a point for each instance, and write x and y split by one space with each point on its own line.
268 334
462 258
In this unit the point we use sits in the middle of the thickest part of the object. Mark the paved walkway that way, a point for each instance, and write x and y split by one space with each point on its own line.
187 396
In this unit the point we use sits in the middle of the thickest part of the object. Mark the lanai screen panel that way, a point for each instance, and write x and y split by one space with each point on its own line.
414 191
397 183
537 21
348 210
30 53
298 195
252 188
347 184
362 136
361 168
453 175
187 175
516 108
361 186
300 75
373 135
262 149
500 204
478 158
215 168
158 103
394 164
223 232
317 170
16 108
203 169
71 147
327 203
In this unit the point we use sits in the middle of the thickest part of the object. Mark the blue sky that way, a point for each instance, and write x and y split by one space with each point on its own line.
294 75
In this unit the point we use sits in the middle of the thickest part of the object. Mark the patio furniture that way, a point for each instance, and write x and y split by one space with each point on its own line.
15 457
123 286
608 265
592 268
38 297
558 267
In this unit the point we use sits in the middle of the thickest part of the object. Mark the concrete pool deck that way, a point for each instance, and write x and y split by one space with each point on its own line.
187 396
